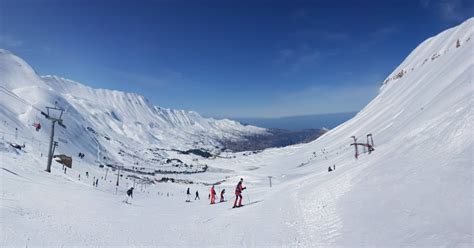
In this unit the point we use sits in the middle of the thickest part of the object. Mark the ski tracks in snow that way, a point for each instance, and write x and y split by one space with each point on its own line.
317 207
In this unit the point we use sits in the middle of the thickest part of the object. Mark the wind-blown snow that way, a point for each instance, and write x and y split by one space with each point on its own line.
415 189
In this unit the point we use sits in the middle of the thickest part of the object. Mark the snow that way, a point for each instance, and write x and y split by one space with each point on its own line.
415 189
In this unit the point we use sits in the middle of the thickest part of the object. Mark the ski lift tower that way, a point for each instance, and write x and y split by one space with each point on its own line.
355 145
369 138
119 167
369 145
54 115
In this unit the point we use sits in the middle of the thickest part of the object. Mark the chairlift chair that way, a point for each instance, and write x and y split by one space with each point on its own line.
37 126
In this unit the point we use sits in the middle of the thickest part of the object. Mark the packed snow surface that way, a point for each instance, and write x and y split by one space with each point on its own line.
415 189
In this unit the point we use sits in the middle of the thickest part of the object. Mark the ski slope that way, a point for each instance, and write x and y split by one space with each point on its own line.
415 189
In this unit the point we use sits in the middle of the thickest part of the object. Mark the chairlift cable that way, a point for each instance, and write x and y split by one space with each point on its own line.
15 96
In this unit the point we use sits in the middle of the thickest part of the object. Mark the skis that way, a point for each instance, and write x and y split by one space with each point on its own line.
250 203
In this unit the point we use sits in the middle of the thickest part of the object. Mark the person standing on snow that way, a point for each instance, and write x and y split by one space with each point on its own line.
197 195
222 195
238 193
129 195
213 195
188 194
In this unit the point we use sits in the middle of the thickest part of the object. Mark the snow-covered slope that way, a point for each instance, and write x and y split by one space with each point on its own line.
414 190
135 110
105 119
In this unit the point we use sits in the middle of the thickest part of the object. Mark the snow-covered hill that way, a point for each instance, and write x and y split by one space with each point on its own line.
414 190
103 120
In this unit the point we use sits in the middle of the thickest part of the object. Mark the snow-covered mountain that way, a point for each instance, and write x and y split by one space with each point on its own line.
414 190
106 119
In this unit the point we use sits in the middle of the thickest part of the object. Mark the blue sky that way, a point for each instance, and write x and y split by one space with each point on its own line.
227 58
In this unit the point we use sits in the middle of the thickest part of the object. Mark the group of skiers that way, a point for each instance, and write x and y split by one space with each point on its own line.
188 193
95 182
212 195
238 194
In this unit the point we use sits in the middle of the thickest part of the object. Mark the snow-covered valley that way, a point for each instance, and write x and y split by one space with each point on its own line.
414 189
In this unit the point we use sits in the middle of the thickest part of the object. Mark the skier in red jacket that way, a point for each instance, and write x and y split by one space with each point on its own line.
213 195
238 193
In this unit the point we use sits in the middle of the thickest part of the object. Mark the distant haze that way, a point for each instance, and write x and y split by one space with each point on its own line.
300 122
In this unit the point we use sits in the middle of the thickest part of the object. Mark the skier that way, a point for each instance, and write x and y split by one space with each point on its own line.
238 193
334 167
213 195
79 177
188 193
129 194
222 195
197 195
96 182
